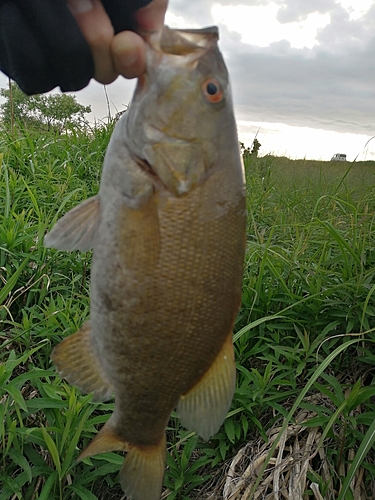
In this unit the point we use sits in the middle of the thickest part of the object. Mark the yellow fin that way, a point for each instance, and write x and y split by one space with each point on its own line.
76 361
142 474
76 229
204 407
105 440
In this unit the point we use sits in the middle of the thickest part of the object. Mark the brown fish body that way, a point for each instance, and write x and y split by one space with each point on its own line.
168 232
175 317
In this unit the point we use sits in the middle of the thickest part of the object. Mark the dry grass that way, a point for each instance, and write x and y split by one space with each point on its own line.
288 472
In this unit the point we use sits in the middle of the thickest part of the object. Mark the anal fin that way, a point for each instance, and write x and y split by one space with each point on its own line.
77 362
106 440
76 229
204 408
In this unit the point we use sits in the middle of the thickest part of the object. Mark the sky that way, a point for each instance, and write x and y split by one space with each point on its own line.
302 73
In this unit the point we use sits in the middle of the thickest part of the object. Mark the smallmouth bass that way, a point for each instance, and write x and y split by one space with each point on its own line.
167 230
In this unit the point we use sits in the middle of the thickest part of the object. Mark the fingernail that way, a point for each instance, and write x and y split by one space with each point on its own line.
81 6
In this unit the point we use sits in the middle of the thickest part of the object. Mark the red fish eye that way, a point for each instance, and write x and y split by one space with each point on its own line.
212 90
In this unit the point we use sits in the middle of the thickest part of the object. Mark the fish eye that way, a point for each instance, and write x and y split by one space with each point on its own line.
212 90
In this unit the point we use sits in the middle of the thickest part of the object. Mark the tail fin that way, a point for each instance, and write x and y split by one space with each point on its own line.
142 473
141 476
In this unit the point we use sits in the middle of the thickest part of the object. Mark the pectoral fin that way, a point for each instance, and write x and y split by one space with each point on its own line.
204 408
77 362
76 229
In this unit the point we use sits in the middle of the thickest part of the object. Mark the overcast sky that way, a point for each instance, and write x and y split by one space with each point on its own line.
303 71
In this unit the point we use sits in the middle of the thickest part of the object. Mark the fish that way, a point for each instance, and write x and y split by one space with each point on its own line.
167 230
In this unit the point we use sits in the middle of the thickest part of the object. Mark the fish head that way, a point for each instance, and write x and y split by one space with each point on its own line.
180 109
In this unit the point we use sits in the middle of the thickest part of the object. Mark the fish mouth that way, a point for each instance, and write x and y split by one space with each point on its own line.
185 41
181 42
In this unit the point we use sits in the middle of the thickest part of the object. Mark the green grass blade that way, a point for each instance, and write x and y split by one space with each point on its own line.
343 244
329 425
4 167
20 460
45 494
254 324
53 450
16 395
34 201
67 463
11 283
363 449
83 493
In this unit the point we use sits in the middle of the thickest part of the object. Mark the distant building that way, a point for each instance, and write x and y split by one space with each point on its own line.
338 157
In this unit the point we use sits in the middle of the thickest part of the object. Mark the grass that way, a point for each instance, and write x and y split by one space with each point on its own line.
304 337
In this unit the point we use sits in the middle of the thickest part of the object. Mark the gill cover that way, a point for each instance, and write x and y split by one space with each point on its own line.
176 112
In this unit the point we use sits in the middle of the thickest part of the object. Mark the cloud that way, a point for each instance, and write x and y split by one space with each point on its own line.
296 11
322 91
250 22
193 11
328 86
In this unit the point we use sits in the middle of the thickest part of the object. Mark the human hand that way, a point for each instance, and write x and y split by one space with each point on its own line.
123 53
50 43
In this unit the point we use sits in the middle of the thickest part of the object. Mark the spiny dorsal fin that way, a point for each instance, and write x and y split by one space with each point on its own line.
204 407
77 362
76 229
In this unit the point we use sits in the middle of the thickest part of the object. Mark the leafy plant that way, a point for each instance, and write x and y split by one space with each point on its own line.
303 338
53 110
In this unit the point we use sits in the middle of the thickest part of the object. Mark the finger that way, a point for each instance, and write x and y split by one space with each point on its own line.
128 48
129 54
152 16
98 31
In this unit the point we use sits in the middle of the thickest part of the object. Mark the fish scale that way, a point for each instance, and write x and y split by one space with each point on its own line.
167 230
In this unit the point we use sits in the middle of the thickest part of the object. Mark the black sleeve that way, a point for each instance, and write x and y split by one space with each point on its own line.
42 47
122 12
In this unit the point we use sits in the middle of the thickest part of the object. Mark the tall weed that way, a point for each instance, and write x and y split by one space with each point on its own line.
306 325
